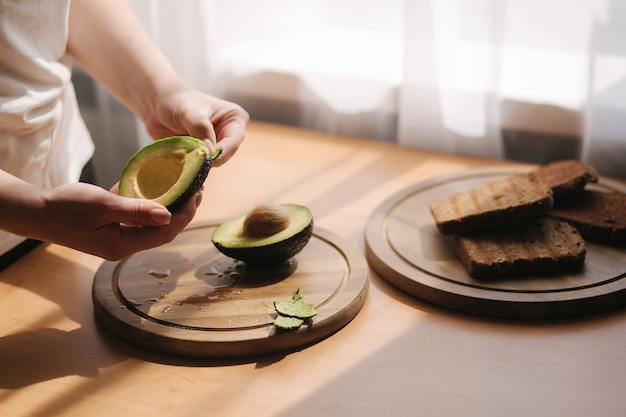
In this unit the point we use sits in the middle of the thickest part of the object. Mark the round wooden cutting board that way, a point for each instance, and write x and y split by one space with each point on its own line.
185 298
405 247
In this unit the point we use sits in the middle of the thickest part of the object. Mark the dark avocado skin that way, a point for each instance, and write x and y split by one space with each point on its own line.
270 254
194 187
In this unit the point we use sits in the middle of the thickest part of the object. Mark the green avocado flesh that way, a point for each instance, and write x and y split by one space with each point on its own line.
167 171
229 238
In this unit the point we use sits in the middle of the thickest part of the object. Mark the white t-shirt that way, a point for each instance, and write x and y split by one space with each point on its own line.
43 139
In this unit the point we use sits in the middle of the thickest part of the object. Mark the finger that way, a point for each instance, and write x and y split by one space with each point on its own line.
202 128
229 147
124 238
187 211
140 212
148 237
230 134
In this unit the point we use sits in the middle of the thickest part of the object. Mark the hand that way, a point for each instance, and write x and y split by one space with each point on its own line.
108 41
95 221
185 111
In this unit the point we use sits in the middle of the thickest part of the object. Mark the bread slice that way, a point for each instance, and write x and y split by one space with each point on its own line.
538 246
566 177
598 216
501 202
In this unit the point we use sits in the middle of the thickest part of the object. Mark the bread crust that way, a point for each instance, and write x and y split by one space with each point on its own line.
531 223
599 216
567 177
537 246
497 203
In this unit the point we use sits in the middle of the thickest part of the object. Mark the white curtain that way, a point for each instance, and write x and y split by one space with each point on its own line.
531 80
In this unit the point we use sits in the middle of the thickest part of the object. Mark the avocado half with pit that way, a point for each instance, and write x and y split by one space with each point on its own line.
167 171
268 234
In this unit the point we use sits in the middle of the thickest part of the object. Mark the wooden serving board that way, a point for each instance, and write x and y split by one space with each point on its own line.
185 298
405 247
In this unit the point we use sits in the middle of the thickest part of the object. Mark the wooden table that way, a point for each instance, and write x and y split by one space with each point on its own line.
398 357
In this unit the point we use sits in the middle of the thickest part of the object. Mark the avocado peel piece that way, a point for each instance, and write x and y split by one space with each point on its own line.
296 307
264 243
287 323
216 153
167 171
292 314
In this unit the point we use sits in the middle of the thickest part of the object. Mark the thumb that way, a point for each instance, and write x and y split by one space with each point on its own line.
140 212
201 127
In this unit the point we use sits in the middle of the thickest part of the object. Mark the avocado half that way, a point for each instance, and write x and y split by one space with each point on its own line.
167 171
230 238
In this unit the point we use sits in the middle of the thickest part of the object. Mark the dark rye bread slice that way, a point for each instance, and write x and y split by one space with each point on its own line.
598 216
497 203
538 246
566 177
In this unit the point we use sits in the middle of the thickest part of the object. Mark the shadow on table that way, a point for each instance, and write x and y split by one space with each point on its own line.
44 354
450 363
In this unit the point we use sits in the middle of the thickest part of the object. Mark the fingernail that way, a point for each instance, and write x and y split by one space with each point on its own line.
199 197
160 215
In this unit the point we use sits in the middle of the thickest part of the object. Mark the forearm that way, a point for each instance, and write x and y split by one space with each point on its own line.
109 42
18 201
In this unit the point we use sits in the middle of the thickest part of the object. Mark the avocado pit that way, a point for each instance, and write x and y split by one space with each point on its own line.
267 234
265 220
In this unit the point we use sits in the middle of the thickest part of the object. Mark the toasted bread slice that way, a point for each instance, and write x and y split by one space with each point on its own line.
598 216
566 177
538 246
508 200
